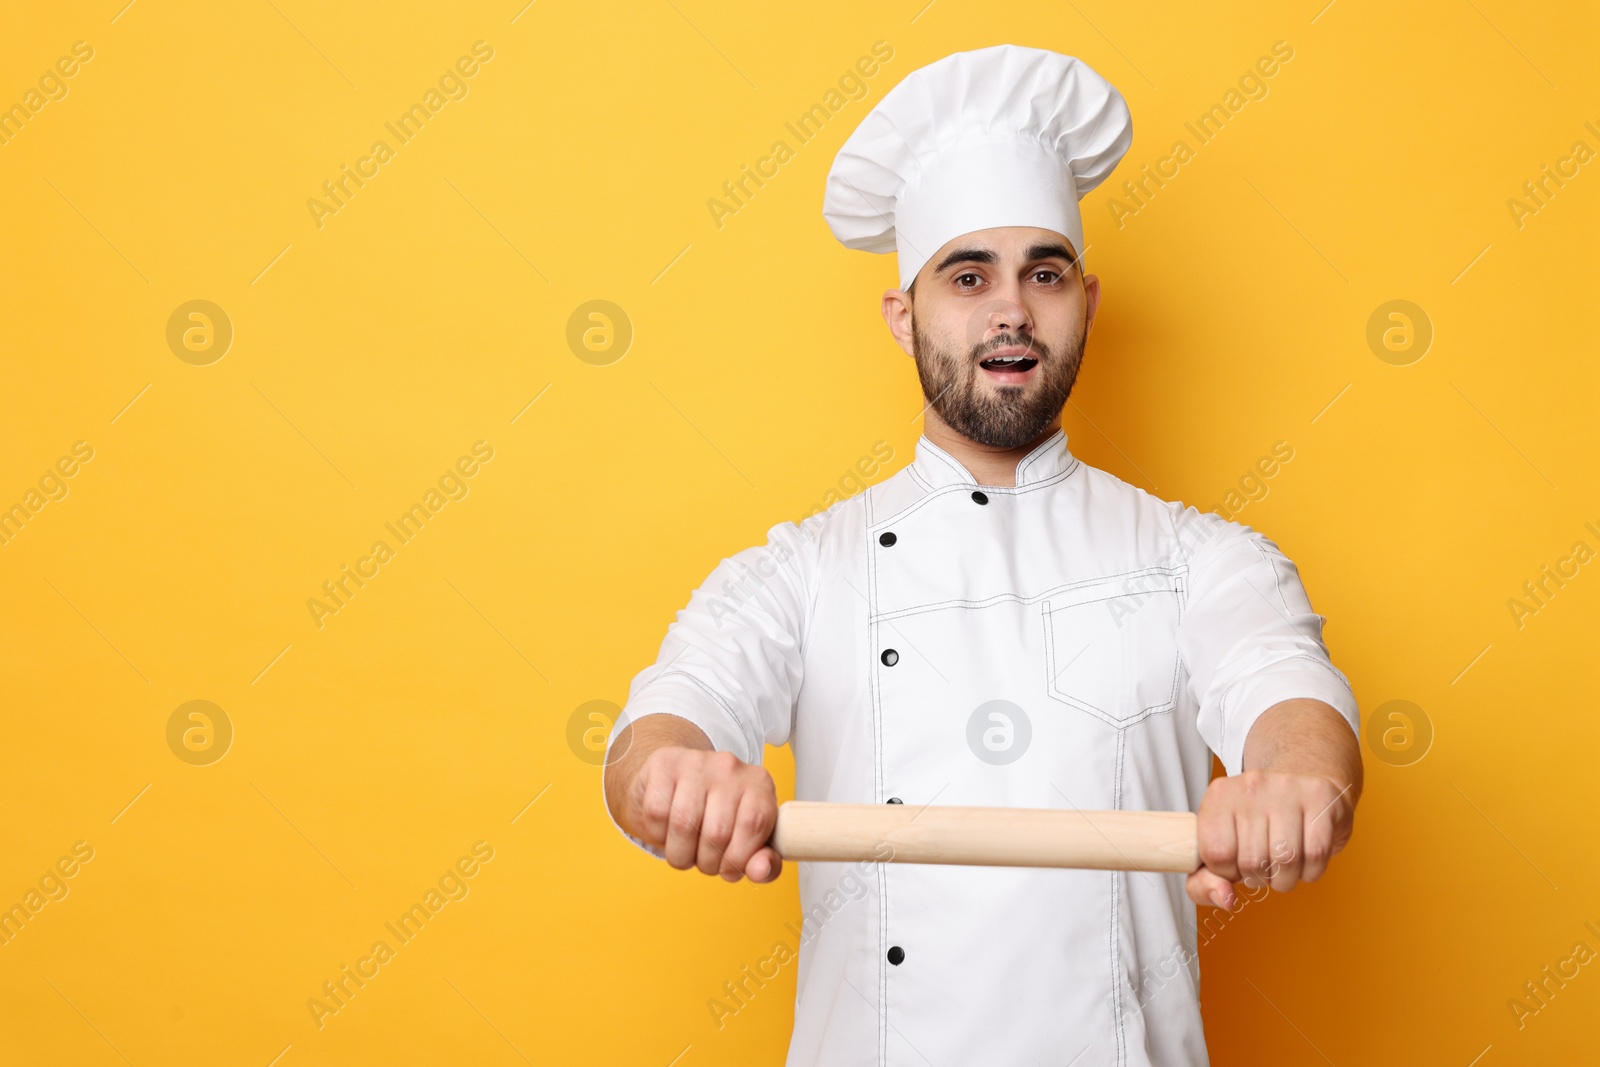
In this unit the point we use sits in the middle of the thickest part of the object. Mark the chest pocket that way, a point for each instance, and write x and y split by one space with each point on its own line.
1111 646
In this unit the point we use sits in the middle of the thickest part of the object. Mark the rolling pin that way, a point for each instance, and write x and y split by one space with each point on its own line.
988 837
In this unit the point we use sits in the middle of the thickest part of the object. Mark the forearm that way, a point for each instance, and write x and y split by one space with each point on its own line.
1309 737
633 746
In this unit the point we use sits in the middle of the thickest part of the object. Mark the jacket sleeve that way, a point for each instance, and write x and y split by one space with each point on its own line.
731 661
1248 637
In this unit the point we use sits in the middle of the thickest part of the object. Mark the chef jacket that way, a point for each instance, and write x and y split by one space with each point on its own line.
1069 642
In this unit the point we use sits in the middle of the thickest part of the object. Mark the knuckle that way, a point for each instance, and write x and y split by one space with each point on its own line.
656 807
753 820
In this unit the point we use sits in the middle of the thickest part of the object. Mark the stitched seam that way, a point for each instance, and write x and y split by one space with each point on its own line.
1291 659
1182 673
963 487
1222 715
811 597
1039 453
1018 598
1116 984
874 677
727 709
877 788
1054 691
1273 567
950 461
806 623
1049 648
1116 914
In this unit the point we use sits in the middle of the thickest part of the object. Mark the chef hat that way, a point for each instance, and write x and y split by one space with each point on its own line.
1001 136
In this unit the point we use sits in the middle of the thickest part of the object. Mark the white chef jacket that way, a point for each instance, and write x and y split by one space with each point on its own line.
1127 637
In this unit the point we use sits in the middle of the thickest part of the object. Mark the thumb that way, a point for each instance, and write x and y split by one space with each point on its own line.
1209 889
764 866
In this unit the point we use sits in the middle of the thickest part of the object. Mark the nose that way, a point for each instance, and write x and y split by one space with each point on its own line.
1002 314
1011 319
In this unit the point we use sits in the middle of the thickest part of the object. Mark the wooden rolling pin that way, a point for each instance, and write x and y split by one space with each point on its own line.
988 837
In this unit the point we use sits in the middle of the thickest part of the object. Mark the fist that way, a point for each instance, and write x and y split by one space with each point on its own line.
706 810
1268 828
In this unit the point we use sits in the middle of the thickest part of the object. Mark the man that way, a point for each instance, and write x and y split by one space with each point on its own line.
998 624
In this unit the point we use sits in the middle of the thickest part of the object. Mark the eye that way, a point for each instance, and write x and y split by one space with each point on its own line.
1050 276
961 280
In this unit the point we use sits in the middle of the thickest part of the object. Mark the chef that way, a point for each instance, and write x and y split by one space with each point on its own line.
997 624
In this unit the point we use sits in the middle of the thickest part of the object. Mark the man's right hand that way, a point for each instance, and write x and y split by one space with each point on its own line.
704 809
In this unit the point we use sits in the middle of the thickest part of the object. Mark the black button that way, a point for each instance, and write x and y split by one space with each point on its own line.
890 657
897 955
979 498
887 539
894 800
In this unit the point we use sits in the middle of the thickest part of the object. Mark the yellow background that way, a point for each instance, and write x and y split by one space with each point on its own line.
430 310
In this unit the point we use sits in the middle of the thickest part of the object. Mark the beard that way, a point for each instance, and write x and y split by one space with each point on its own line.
1013 415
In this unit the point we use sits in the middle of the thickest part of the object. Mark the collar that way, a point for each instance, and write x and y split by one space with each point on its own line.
936 468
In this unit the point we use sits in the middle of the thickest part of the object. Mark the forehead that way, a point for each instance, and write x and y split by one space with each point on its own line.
1005 238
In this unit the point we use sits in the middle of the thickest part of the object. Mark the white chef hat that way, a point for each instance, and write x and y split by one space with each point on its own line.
1001 136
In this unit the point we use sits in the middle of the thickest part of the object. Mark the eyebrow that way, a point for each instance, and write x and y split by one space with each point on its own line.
983 255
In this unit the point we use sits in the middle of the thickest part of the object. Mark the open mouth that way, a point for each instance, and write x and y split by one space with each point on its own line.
1009 368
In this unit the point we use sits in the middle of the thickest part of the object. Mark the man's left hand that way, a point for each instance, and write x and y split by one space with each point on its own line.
1268 827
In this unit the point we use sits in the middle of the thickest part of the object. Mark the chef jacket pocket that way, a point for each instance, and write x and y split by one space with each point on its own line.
1111 647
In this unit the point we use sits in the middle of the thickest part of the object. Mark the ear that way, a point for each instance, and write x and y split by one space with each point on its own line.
1091 293
897 313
